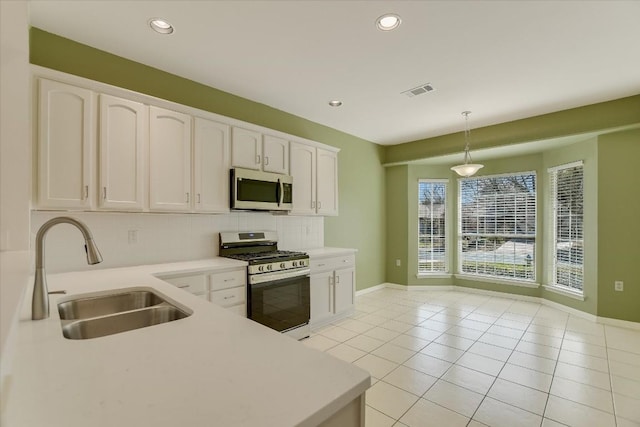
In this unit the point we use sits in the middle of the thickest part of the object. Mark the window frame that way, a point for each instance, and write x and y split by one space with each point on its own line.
526 282
552 245
447 270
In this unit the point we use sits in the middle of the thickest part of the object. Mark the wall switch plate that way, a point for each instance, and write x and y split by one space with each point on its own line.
398 263
619 285
133 237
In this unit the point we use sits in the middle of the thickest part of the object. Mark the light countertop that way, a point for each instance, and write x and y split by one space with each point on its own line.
211 368
328 252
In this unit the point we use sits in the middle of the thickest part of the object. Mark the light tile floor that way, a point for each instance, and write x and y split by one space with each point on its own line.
461 359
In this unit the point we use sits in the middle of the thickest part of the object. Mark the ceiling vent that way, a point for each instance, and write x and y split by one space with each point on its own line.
419 90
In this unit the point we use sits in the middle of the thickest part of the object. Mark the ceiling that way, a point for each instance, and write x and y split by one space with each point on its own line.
502 60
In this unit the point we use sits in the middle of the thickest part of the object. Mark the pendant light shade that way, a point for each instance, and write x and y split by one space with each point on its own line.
468 168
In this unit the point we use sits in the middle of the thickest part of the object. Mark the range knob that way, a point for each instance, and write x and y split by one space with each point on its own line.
261 268
282 265
269 267
295 263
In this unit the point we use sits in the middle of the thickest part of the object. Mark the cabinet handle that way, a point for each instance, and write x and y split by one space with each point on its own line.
266 160
313 205
337 279
187 194
183 286
229 297
86 192
198 196
319 204
321 265
229 280
258 159
345 260
104 193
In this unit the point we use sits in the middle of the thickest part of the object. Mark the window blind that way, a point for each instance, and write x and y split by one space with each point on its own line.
432 243
497 227
566 183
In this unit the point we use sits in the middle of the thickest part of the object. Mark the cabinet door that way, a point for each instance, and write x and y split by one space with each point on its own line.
344 291
65 142
321 295
275 155
123 136
211 162
246 149
327 187
169 160
302 166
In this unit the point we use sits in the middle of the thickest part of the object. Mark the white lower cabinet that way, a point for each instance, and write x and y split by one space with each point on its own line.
227 289
194 284
332 288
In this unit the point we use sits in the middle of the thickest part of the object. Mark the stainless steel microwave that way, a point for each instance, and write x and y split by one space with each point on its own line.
256 190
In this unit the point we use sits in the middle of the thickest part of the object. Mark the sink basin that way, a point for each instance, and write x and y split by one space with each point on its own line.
121 322
94 316
83 308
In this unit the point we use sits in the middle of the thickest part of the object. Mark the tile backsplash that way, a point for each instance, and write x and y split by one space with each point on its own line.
127 239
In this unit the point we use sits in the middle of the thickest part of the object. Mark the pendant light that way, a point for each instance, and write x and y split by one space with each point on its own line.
468 168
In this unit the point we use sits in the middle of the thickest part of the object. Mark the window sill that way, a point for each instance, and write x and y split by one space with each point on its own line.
564 291
497 281
434 275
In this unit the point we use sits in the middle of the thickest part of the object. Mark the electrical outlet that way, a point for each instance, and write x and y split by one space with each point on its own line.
133 237
398 263
619 285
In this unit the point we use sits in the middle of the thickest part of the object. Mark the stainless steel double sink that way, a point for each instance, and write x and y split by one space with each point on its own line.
93 316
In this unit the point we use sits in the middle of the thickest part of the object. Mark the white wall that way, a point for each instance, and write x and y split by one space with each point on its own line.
163 237
15 163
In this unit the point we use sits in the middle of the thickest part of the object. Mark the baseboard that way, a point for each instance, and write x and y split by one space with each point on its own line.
371 289
572 311
587 316
619 323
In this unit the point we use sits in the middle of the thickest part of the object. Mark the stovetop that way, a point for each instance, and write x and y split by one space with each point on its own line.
268 256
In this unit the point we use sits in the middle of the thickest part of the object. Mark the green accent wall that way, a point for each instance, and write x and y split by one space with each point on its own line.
361 222
611 232
396 224
619 224
591 118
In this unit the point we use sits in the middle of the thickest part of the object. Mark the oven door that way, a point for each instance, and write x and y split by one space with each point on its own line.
280 304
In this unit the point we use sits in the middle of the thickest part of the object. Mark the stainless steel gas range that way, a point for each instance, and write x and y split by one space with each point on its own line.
277 281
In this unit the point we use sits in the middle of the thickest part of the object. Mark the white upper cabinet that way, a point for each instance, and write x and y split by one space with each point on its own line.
275 155
327 182
169 160
252 150
122 142
211 163
65 144
315 180
302 166
246 149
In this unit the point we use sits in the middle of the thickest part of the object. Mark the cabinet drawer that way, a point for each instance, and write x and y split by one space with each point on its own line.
227 280
196 284
333 263
228 297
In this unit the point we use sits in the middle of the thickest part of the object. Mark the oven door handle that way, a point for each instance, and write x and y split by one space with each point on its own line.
258 279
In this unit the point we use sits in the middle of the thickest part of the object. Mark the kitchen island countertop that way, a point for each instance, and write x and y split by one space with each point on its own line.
213 368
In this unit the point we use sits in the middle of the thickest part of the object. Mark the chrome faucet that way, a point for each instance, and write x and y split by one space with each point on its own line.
40 300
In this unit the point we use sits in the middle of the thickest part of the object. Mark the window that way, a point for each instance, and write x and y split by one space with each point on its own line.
497 226
567 202
432 244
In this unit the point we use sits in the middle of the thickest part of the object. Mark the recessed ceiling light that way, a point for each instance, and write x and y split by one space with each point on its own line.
388 22
335 103
161 26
